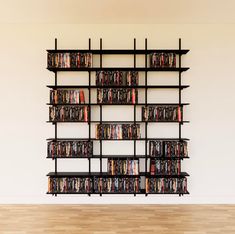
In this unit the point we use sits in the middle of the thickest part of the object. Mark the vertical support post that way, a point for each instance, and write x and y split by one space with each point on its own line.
101 114
55 122
180 90
100 52
89 90
135 103
89 111
135 90
146 102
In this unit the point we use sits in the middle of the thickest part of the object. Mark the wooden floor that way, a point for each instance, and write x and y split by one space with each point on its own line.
112 219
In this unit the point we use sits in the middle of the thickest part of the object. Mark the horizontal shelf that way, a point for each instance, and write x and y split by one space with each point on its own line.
121 86
121 51
143 69
182 174
119 157
95 193
117 122
121 104
87 174
167 158
121 193
98 156
105 174
177 193
140 139
63 193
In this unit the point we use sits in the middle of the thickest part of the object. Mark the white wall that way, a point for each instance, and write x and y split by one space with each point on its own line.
23 164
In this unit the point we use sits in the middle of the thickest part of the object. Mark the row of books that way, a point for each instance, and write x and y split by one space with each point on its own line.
123 167
166 185
112 185
117 95
117 78
162 113
159 60
69 60
72 96
80 148
116 185
69 149
117 131
168 148
70 185
68 113
165 167
78 60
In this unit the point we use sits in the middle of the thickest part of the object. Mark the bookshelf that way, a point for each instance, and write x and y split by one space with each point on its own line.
143 181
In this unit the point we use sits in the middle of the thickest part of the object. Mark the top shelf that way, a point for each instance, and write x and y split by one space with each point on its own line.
116 51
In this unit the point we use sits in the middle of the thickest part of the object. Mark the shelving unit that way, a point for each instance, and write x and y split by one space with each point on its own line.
146 173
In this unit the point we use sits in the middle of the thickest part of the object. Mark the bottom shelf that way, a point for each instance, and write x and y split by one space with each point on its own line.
96 183
121 193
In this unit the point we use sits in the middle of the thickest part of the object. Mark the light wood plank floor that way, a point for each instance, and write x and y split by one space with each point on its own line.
117 219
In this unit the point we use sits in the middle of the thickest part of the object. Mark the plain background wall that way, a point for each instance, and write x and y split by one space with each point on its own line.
24 113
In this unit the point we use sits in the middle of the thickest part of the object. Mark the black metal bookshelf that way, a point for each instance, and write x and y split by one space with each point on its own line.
146 157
